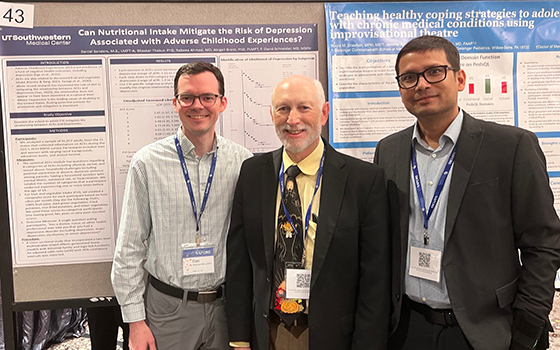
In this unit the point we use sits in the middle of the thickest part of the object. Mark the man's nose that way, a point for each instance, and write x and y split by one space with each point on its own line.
422 82
294 117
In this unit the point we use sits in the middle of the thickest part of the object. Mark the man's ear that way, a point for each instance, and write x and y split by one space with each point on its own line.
325 113
223 104
461 80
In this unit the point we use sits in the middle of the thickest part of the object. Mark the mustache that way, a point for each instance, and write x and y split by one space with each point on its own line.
291 128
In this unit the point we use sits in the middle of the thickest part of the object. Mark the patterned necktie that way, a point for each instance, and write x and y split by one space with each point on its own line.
289 247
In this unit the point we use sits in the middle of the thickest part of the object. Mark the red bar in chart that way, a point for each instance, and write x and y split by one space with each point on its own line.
504 87
471 88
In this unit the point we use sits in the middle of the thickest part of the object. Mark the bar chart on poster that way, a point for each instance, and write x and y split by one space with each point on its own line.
486 95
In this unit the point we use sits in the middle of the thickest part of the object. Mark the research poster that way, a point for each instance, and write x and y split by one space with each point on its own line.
78 102
510 52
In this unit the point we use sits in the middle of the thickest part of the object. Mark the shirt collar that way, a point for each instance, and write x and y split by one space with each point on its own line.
187 146
452 132
310 165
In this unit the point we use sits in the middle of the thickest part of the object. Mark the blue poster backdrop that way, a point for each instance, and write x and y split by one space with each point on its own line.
509 50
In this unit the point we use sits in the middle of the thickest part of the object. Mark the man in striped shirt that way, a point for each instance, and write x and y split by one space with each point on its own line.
175 218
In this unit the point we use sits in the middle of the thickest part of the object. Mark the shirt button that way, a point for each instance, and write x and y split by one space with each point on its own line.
434 155
431 183
423 299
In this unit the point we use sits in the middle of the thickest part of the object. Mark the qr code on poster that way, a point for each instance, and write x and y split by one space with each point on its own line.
423 259
303 280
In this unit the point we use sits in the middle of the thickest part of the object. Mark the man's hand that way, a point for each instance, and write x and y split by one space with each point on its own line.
141 337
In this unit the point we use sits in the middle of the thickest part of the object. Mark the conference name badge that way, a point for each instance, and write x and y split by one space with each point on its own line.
298 283
197 261
425 263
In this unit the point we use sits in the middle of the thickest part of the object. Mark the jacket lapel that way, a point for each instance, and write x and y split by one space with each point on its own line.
402 177
468 146
332 192
269 181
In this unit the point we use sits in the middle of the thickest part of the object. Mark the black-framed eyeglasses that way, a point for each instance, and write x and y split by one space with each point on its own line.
432 75
207 100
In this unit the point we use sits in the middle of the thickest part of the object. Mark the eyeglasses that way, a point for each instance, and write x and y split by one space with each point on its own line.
207 100
432 75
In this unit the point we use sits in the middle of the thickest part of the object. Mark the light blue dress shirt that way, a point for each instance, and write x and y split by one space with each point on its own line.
430 167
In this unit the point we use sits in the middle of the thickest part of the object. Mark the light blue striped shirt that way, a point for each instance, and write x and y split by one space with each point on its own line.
157 218
430 167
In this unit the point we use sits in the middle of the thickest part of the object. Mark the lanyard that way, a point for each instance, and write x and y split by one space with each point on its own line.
308 215
437 193
189 187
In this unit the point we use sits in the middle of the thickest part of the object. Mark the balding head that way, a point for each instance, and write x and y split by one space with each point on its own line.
302 79
298 112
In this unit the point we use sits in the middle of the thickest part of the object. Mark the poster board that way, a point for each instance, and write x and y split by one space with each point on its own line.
37 287
510 52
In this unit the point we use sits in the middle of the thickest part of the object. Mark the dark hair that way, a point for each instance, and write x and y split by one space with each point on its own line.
428 43
198 67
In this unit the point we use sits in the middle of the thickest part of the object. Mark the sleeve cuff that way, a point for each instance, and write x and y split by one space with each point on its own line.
239 344
528 330
133 312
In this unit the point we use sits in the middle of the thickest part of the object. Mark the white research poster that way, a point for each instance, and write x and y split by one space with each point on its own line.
509 50
78 102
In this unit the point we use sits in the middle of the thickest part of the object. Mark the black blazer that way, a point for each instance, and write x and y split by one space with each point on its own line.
350 281
499 201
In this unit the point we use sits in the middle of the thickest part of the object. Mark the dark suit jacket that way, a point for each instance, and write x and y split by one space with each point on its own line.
499 201
350 282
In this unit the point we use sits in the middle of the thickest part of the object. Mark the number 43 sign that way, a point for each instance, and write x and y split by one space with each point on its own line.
16 15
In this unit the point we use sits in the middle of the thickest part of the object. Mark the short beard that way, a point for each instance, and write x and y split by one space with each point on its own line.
313 134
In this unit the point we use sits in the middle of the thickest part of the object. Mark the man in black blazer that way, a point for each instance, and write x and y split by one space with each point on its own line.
475 269
346 241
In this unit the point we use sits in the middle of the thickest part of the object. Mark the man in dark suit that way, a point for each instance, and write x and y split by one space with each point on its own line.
343 230
471 199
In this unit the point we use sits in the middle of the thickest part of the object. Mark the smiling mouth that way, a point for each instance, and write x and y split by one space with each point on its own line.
424 98
197 116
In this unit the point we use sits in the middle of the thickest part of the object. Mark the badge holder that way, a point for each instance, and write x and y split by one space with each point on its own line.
298 281
292 304
198 258
425 263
